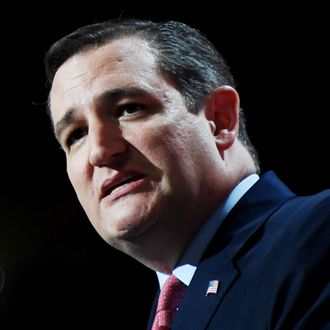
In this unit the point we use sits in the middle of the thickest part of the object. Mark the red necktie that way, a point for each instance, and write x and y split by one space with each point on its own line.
169 300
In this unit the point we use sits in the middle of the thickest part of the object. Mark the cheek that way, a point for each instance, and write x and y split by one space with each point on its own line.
160 146
168 149
176 143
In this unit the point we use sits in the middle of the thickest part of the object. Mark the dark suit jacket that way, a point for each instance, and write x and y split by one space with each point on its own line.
271 257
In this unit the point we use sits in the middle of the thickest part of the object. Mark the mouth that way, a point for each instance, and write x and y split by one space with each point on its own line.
122 185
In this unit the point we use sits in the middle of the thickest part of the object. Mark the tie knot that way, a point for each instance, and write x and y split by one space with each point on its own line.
169 301
171 294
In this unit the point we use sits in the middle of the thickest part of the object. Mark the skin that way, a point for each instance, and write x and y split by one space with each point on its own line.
118 117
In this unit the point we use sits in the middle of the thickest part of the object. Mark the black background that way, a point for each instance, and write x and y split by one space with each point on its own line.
59 273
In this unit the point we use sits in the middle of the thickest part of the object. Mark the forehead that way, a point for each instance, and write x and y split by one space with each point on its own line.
111 56
122 63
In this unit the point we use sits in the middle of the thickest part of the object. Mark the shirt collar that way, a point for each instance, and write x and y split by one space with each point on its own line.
187 265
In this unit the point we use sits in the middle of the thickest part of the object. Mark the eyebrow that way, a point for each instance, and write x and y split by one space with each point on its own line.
64 122
111 95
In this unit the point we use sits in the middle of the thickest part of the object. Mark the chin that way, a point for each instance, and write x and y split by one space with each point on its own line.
125 226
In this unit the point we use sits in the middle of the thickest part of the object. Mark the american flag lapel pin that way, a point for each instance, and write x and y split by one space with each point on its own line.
213 287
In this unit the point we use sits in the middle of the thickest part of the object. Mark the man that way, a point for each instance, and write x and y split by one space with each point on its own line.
157 152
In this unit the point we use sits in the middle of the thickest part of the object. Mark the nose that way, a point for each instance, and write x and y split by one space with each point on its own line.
105 143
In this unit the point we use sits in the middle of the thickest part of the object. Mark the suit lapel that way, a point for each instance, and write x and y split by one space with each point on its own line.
198 307
234 237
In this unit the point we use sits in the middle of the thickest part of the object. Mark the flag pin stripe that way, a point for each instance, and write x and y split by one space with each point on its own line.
213 287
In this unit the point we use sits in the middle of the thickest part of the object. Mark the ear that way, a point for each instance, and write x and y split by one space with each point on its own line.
222 112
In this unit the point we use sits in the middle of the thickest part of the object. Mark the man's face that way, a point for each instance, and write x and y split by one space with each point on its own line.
137 159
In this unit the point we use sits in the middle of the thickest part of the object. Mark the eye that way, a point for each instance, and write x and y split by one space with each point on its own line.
75 135
129 109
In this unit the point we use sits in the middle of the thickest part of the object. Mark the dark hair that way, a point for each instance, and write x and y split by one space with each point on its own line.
182 53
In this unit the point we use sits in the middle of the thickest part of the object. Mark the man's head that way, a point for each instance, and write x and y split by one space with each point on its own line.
182 53
149 127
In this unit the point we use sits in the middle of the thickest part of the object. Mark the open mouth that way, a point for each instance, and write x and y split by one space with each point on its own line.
121 184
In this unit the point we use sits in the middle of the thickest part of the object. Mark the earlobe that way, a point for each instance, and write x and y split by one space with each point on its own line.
223 115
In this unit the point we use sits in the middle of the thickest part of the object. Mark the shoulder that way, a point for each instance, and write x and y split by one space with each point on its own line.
305 221
302 273
319 201
296 240
301 245
307 213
